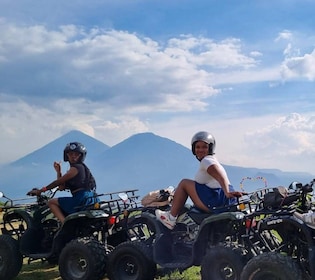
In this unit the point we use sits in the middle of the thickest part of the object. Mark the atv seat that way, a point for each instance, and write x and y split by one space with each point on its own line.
198 215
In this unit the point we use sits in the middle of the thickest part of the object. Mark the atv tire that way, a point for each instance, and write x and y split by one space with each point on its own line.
83 259
11 259
15 224
222 263
272 266
131 261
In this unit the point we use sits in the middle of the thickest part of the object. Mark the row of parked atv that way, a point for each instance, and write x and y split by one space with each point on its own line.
257 238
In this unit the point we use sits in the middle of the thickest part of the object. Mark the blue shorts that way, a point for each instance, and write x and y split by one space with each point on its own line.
213 197
72 204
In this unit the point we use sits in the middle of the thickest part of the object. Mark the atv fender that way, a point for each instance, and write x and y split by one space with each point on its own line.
213 230
284 222
19 213
236 216
159 227
87 214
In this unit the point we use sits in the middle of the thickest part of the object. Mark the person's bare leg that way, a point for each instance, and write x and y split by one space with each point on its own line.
55 209
186 188
179 199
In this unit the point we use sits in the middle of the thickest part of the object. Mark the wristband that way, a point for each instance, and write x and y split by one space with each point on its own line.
44 189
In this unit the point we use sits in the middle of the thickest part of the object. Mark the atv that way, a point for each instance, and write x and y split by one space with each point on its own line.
30 231
221 242
295 247
198 239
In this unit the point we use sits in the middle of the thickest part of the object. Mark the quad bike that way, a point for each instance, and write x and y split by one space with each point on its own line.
32 232
198 239
271 203
292 256
220 243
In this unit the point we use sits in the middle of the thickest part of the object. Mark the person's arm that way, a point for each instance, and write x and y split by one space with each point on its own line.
57 167
61 181
214 171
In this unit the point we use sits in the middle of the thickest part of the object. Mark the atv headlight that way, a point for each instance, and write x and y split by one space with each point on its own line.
99 214
240 216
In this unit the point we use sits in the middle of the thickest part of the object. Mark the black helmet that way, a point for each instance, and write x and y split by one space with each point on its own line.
205 137
74 147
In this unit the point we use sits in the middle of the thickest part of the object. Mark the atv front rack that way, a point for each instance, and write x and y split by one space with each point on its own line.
116 202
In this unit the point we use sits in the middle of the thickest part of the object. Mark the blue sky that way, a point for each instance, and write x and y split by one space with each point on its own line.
243 70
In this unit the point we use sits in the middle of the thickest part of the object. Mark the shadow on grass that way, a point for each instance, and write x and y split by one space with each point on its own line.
44 271
39 270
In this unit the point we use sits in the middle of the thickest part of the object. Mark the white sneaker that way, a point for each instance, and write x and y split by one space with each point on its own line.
164 218
307 218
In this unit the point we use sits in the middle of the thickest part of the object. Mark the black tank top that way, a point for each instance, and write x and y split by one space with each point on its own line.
78 181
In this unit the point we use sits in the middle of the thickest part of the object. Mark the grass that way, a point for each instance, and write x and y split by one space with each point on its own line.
43 271
39 271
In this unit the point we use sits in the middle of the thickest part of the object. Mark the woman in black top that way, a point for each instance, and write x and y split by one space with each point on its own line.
78 179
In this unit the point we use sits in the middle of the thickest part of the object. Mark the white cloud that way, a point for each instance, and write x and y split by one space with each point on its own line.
112 66
111 84
300 66
206 52
286 142
285 35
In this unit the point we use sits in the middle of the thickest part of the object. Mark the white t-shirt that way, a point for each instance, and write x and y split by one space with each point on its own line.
203 177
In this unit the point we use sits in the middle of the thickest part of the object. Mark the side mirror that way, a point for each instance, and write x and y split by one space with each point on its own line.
254 198
295 186
123 196
1 194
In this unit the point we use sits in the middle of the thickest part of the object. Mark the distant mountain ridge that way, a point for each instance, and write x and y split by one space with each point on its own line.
54 149
143 161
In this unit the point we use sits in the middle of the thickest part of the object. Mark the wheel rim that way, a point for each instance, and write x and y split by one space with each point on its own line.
129 267
77 265
227 271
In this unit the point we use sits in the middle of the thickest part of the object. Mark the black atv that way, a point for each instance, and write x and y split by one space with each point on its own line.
221 243
293 257
198 239
30 231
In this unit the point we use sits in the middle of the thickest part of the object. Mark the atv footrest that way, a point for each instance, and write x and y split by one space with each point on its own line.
177 264
38 256
180 263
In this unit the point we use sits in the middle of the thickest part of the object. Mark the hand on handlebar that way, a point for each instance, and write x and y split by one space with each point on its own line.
237 194
34 192
61 187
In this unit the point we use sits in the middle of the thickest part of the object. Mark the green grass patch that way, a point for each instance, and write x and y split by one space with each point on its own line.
44 271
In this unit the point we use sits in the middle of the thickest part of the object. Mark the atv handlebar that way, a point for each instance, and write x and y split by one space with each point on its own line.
43 198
